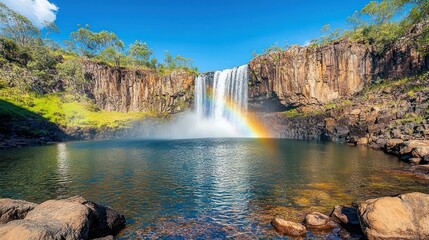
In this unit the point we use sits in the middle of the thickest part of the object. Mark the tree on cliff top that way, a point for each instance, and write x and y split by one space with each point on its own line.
72 74
113 55
382 22
26 53
91 44
140 54
17 27
328 36
177 62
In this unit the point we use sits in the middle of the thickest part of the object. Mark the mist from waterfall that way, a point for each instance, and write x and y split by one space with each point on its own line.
220 102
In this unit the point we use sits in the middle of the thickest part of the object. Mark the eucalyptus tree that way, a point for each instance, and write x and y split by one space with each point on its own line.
71 73
382 22
17 27
50 27
140 54
91 44
113 54
178 62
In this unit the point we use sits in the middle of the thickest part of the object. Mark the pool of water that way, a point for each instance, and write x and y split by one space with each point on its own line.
203 188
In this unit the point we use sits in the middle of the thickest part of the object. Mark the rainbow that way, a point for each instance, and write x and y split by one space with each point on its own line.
247 123
251 127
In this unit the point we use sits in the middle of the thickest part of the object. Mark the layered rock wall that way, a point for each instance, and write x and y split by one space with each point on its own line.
405 57
306 75
316 75
128 90
296 77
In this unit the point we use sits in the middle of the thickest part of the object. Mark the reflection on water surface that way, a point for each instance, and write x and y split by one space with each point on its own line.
206 187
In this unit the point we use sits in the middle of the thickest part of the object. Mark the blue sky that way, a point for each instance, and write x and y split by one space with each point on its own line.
216 34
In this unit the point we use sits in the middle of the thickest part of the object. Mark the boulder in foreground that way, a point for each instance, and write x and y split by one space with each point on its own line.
11 209
404 216
104 220
35 230
73 218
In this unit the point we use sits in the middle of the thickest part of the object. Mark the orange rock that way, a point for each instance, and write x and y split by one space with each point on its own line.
288 228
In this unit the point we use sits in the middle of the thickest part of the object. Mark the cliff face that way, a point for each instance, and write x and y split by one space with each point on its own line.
299 76
402 59
305 75
127 90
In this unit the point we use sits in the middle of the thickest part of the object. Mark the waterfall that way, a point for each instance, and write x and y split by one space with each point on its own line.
219 110
222 95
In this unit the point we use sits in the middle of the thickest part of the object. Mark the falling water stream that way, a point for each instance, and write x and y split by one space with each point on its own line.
222 95
220 107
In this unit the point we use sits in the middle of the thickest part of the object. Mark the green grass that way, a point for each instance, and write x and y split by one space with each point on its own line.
293 113
60 110
411 117
412 90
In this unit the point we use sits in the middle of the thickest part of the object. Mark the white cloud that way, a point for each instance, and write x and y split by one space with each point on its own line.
38 11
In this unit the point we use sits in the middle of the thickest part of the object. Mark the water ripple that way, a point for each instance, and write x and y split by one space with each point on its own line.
199 189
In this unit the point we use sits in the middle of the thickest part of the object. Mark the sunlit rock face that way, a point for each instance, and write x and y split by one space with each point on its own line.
128 90
316 75
295 77
306 75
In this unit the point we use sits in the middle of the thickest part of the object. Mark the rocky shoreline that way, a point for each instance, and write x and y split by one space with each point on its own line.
72 218
391 116
404 216
398 217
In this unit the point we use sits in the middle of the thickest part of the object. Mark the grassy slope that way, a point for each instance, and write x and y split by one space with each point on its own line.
63 110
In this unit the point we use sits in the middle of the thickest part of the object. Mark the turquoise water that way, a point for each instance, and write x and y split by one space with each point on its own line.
205 188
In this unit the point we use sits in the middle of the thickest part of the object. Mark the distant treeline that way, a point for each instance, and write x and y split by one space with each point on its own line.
379 24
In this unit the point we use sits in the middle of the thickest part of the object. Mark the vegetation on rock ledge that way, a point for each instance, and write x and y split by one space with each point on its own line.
379 24
41 77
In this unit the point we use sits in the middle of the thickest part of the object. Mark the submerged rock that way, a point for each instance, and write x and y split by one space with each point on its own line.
420 169
362 141
402 217
319 221
73 218
110 237
11 209
414 161
288 228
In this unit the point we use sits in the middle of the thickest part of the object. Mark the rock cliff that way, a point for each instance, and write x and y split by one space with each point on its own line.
299 76
402 58
306 75
128 90
316 75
